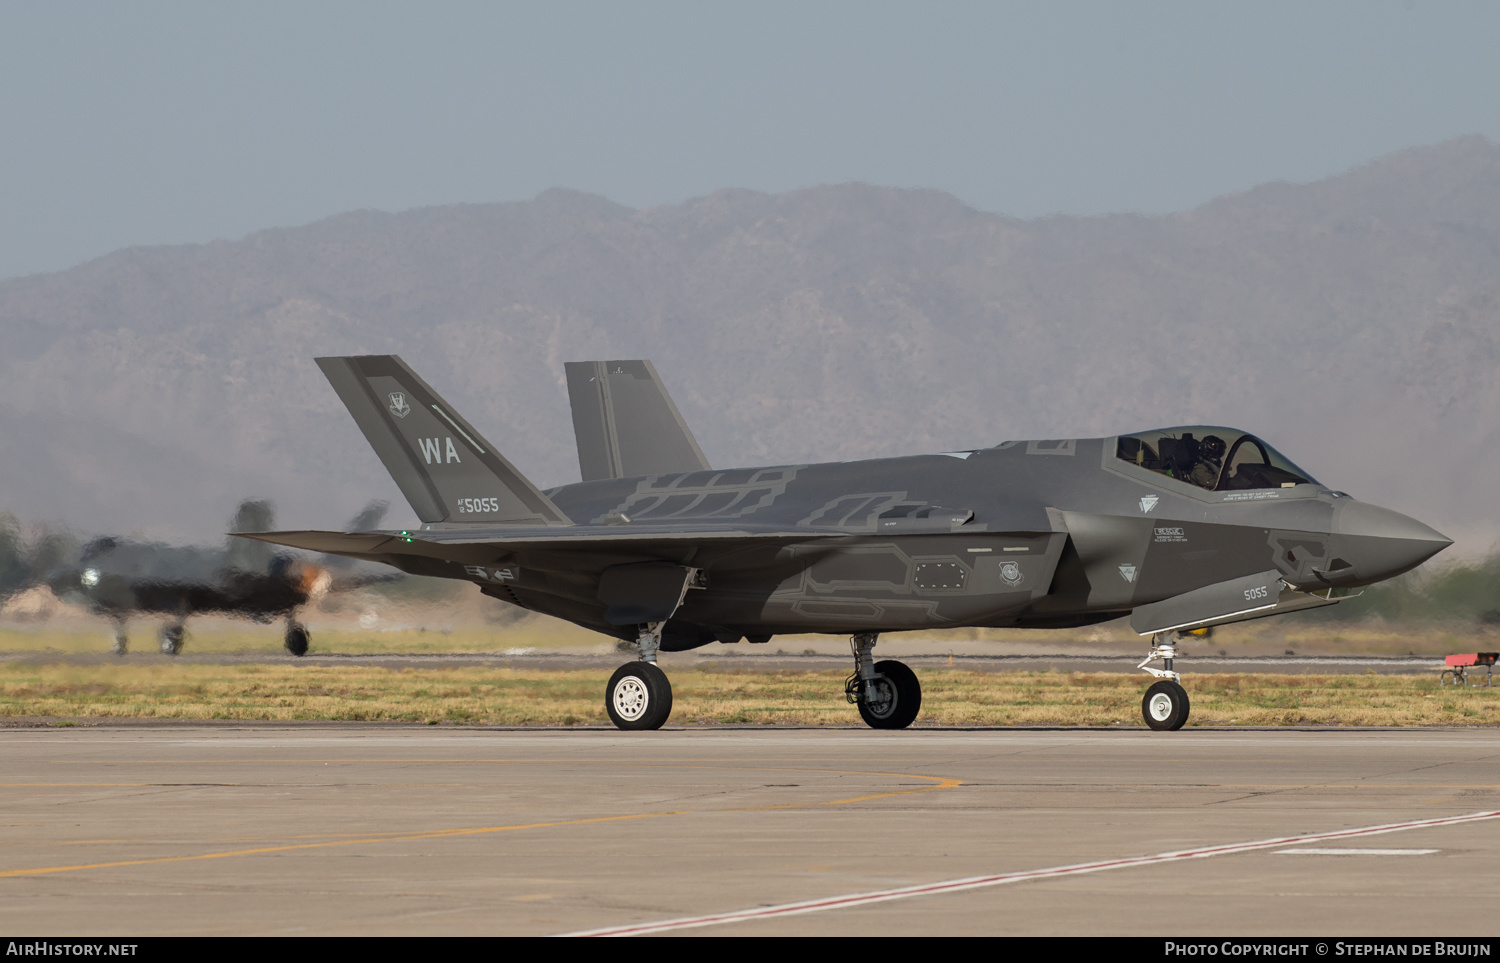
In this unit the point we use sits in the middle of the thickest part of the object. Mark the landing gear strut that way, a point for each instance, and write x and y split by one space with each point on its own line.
172 635
1165 706
638 695
887 693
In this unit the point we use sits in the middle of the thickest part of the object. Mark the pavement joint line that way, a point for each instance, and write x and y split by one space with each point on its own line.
1334 851
938 782
1000 879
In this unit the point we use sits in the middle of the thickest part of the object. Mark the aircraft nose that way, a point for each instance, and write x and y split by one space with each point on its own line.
1380 543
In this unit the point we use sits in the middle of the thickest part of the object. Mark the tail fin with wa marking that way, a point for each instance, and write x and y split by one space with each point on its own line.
443 466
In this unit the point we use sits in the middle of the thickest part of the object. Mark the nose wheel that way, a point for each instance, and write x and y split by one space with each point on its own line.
1165 706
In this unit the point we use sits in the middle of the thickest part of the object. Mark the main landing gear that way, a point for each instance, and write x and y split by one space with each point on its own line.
171 638
1166 703
638 695
887 693
295 639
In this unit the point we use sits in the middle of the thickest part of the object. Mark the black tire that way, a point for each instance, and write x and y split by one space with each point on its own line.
171 639
896 700
1165 706
638 697
296 639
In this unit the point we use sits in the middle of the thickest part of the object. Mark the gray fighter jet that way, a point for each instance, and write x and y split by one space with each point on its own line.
119 578
1179 529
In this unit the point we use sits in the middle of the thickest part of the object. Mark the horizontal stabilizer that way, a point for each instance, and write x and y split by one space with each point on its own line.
625 423
1237 600
443 466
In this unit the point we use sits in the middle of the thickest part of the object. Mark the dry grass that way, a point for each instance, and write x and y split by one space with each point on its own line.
226 636
488 696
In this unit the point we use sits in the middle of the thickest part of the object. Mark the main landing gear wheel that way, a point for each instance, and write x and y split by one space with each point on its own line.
296 639
1165 706
638 696
893 700
171 639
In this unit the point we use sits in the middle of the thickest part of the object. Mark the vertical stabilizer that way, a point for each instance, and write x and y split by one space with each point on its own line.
443 466
253 515
625 423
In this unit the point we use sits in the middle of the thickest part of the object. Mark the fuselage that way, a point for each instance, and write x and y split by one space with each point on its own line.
1038 533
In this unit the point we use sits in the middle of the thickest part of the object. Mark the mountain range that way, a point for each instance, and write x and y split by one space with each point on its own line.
1353 322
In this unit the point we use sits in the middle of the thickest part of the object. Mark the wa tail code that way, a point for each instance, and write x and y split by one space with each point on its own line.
436 454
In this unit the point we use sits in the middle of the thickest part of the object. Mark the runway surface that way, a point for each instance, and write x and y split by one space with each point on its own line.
366 830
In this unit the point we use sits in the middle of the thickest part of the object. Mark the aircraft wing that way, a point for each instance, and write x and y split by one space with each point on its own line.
456 544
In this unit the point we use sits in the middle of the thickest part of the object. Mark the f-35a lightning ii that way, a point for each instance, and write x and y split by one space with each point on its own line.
1179 529
121 578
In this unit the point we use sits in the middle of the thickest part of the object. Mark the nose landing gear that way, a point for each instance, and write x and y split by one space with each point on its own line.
1165 706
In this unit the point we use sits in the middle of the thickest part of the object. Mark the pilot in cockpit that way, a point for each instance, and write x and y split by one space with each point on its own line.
1208 464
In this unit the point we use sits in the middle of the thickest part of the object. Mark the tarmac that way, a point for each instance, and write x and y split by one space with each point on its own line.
350 829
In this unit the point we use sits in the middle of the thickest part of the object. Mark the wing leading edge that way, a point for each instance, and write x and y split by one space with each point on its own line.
577 538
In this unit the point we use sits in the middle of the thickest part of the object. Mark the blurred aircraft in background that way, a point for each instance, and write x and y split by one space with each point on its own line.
120 578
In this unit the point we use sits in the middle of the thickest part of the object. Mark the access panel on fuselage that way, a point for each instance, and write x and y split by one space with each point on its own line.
1182 556
915 582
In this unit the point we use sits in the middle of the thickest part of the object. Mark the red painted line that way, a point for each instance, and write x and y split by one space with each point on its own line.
978 882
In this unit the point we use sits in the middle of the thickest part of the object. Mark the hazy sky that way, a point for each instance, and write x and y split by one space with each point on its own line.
126 123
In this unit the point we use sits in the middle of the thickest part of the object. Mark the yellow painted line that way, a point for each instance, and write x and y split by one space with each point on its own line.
938 782
97 785
439 834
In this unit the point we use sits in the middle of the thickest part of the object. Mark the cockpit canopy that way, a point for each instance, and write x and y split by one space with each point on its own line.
1215 459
